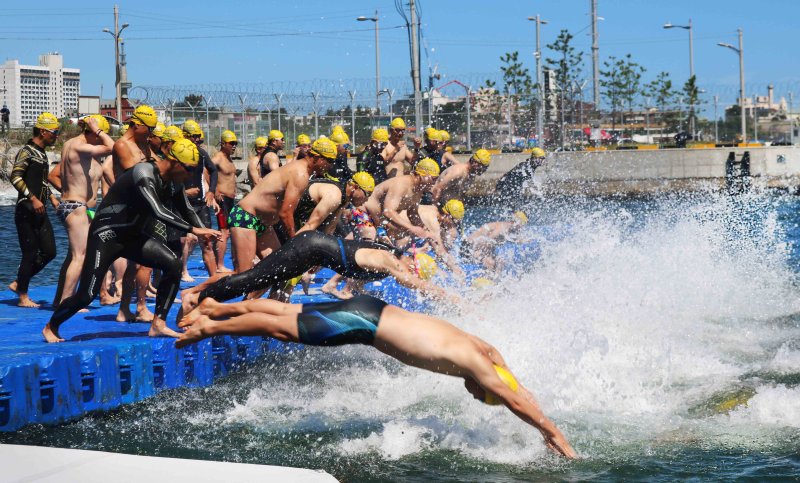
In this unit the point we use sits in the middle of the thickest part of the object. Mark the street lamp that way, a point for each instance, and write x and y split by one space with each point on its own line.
389 94
739 51
688 27
538 55
377 61
116 34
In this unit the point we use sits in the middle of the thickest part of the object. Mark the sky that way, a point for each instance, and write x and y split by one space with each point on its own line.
204 42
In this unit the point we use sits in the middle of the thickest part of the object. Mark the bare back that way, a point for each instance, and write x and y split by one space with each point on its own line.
396 194
267 196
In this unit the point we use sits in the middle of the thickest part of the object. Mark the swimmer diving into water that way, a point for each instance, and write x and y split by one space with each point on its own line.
414 339
362 260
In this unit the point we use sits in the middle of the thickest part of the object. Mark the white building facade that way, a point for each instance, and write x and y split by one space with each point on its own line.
29 90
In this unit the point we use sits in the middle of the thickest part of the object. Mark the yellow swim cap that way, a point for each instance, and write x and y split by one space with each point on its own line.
508 379
324 147
426 266
46 121
449 149
364 180
145 115
521 217
337 128
537 153
228 136
454 208
274 134
123 129
427 167
303 139
185 152
444 135
339 137
102 122
158 131
172 133
381 135
483 156
430 131
191 128
261 142
398 123
436 136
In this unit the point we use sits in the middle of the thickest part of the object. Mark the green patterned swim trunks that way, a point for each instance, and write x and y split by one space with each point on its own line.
239 218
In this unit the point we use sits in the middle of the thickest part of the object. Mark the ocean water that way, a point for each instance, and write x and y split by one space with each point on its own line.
662 335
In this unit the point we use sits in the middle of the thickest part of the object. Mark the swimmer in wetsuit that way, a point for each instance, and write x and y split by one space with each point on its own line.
362 260
29 177
120 229
414 339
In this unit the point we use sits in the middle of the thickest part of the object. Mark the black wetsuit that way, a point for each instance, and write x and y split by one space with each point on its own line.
306 204
195 180
340 169
36 240
301 253
122 229
373 164
264 167
353 321
511 184
434 154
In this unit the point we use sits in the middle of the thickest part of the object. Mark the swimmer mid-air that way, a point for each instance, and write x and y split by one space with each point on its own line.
414 339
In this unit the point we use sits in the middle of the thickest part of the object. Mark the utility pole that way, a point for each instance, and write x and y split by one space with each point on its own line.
791 119
353 116
278 98
595 59
539 85
377 62
740 51
415 66
716 120
116 33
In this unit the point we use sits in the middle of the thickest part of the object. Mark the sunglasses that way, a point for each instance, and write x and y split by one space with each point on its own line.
233 143
54 132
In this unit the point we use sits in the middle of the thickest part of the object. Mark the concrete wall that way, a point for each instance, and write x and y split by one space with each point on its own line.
647 171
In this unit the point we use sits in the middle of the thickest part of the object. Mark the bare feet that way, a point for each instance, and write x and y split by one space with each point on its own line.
51 335
188 301
328 288
13 287
143 314
125 314
151 293
25 301
159 329
195 333
204 309
185 277
109 300
223 269
83 311
305 281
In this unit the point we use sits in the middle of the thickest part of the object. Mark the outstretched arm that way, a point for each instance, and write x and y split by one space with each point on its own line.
521 403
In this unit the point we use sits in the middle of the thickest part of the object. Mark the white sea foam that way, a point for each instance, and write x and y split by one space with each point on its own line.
619 329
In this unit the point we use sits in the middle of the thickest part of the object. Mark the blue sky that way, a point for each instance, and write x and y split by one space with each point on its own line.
268 41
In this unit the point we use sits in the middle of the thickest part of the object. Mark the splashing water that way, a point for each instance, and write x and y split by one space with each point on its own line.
661 335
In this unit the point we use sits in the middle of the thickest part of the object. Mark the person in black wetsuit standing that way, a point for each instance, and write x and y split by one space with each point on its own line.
29 176
340 169
122 228
270 159
200 199
371 159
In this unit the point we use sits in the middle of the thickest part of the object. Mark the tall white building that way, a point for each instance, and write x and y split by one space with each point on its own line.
29 90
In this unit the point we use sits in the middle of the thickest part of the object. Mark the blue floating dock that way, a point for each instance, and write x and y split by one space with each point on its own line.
104 363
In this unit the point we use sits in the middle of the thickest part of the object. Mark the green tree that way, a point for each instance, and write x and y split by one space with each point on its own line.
662 95
692 96
567 68
622 83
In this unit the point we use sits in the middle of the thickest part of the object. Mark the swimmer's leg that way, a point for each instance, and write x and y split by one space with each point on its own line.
153 253
217 310
283 328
